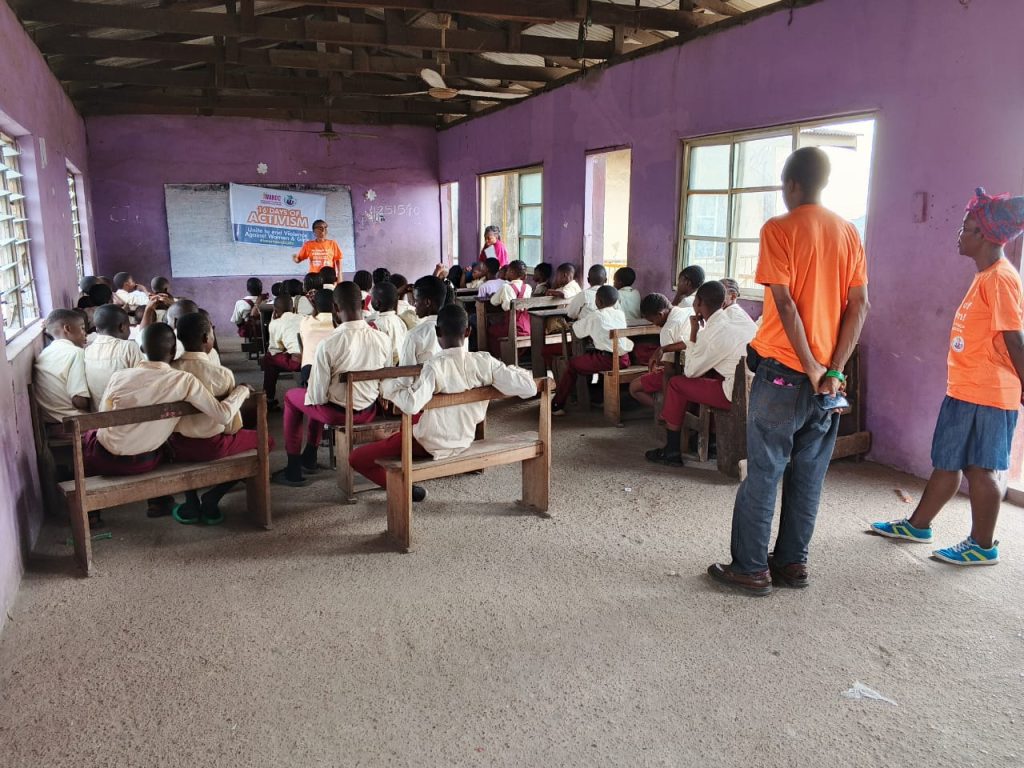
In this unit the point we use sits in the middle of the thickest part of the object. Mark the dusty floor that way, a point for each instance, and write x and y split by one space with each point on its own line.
592 639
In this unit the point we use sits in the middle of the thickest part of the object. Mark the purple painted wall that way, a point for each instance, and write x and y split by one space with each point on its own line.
32 107
949 118
132 158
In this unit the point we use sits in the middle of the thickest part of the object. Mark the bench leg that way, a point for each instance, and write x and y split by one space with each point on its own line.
81 534
257 499
346 477
399 509
537 484
612 406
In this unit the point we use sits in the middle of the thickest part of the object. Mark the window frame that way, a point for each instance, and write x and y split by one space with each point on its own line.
731 139
15 211
75 199
526 170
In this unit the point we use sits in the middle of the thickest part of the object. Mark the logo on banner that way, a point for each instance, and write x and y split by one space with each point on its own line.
267 216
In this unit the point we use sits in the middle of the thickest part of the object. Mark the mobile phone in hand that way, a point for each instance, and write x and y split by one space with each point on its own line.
831 402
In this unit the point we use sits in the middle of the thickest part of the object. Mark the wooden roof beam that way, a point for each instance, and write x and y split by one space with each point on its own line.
229 26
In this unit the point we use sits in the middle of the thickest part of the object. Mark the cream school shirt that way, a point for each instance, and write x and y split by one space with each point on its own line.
354 346
243 309
719 346
313 330
446 432
103 357
629 302
219 381
570 290
392 326
60 376
675 329
420 343
283 334
490 287
583 303
508 293
598 324
151 383
133 299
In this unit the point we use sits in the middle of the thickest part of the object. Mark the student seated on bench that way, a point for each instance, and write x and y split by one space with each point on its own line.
584 303
384 300
314 329
134 449
514 288
629 297
689 280
421 342
199 438
709 369
597 326
61 386
111 350
354 346
492 282
442 432
283 350
675 330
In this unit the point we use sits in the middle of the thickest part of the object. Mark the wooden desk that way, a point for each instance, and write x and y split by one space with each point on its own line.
538 319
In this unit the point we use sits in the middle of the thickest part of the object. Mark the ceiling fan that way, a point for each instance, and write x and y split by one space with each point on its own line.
438 89
327 132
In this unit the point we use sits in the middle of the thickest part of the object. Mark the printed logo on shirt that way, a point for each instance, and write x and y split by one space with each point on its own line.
957 343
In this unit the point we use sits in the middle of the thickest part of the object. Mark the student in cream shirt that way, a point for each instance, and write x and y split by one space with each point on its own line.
59 381
584 303
443 432
629 297
421 343
195 333
384 299
110 351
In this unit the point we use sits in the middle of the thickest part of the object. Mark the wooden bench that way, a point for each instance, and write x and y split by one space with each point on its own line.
84 494
531 449
513 342
350 435
47 448
539 337
617 376
731 425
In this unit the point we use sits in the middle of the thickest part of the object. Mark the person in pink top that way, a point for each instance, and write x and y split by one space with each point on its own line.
492 238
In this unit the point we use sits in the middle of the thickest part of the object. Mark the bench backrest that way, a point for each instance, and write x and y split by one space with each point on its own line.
350 378
480 395
524 305
646 329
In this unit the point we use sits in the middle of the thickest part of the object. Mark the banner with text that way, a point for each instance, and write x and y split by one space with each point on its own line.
264 216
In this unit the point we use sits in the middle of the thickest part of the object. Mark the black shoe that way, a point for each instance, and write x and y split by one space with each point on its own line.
661 456
310 469
281 478
419 493
792 575
757 584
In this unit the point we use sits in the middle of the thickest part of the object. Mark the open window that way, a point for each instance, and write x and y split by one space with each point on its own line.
17 287
450 223
75 198
606 213
732 185
513 201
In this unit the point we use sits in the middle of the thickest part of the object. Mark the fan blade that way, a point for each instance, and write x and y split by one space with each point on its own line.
491 95
290 130
431 78
400 95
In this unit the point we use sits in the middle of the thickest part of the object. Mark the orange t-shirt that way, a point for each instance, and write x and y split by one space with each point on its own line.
980 369
322 254
819 256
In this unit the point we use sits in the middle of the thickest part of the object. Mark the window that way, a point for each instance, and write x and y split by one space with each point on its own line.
606 214
513 201
76 224
17 289
733 185
450 223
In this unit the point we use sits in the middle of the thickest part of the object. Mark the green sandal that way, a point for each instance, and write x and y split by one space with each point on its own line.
178 513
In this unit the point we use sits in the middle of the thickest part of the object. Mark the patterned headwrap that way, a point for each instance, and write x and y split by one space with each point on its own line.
1000 217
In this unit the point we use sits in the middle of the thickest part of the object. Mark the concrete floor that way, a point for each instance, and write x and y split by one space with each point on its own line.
591 639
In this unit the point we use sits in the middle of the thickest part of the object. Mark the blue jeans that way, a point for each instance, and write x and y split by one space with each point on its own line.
789 438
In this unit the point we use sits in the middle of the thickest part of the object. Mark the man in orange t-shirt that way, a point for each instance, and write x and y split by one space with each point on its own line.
320 251
985 366
812 265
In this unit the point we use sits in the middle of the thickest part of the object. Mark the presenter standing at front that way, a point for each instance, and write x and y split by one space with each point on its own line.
320 251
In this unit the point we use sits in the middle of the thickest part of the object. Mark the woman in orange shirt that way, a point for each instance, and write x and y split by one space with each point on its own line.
320 251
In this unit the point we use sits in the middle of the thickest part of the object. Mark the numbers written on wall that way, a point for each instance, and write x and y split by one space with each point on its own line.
379 213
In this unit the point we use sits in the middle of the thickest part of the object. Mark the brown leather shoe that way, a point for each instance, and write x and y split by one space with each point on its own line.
758 584
793 575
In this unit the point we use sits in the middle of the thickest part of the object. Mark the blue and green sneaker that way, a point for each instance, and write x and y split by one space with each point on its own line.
967 552
902 529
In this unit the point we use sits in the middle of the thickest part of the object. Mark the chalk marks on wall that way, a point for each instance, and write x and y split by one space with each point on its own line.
378 211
